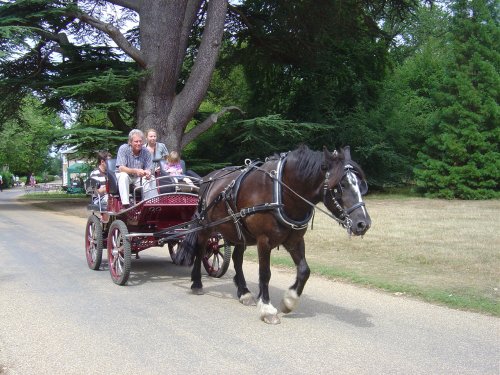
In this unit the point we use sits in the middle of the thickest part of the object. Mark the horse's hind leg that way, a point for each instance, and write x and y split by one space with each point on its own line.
197 285
292 295
268 313
243 293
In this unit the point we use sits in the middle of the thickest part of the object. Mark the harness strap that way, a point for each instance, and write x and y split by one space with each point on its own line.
168 235
355 207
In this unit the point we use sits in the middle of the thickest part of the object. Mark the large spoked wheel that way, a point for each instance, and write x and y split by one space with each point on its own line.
119 252
173 247
217 256
93 242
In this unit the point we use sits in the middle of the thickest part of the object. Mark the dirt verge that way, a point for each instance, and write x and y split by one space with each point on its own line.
75 207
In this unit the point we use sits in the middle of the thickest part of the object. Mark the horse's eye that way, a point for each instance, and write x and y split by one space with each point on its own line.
363 187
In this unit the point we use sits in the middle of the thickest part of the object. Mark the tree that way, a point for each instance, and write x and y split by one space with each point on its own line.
35 34
392 132
27 139
314 61
461 157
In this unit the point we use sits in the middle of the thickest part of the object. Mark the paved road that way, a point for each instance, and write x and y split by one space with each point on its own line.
59 317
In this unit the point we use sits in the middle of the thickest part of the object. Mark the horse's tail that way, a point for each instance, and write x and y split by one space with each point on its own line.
186 251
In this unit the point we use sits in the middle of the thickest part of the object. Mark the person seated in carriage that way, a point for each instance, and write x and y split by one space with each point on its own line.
174 167
134 164
157 149
98 179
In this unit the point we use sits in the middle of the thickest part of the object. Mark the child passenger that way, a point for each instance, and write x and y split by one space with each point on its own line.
174 167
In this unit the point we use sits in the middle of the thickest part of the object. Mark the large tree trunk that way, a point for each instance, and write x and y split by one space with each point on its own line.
161 23
165 27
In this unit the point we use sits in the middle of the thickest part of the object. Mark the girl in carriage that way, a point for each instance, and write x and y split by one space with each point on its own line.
174 167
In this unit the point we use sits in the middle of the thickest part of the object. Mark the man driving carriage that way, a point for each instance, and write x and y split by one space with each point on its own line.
133 165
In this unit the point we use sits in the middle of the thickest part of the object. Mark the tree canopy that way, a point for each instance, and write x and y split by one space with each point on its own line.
58 47
411 86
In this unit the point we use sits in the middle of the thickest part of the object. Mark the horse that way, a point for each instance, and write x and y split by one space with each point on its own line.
269 204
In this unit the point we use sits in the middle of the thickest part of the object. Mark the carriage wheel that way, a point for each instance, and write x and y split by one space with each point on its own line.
93 242
173 247
119 252
217 256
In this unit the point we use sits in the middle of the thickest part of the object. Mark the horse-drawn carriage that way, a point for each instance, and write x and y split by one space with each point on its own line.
159 216
266 204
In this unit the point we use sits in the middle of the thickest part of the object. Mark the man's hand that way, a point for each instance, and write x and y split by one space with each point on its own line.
143 173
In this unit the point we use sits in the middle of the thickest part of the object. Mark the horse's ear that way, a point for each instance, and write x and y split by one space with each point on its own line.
328 154
328 157
347 153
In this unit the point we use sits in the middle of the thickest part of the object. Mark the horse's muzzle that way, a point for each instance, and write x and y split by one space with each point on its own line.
359 227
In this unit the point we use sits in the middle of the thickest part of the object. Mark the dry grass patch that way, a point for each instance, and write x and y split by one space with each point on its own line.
443 251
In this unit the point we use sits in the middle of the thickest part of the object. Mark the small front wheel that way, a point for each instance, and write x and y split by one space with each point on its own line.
217 255
93 242
119 252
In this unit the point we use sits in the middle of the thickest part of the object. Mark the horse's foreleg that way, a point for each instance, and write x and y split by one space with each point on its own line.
243 293
197 285
268 313
292 295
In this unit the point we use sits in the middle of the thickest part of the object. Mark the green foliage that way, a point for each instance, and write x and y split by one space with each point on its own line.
37 56
461 158
314 61
6 179
228 85
391 134
28 138
257 138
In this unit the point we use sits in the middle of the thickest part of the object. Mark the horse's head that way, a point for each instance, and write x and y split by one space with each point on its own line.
343 191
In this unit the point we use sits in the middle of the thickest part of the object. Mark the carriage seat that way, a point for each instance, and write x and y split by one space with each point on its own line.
111 176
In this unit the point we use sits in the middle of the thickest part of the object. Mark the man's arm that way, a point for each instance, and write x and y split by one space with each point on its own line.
121 161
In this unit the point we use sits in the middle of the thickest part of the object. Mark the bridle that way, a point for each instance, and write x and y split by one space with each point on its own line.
335 193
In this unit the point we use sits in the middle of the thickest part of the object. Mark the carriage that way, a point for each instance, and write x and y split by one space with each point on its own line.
160 215
264 204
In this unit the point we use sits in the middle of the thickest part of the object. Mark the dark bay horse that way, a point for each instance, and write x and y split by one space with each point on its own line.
270 204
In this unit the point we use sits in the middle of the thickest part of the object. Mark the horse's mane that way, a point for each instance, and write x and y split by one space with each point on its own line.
306 162
309 163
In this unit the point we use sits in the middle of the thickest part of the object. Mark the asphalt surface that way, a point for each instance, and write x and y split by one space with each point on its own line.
59 317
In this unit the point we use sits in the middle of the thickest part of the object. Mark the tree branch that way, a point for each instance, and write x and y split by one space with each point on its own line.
188 101
115 34
207 124
129 4
189 18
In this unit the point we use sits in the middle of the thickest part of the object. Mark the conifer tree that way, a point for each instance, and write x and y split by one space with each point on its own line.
461 158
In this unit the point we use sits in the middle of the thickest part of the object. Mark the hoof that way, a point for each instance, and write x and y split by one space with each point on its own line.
271 319
197 291
284 308
290 301
268 313
248 300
